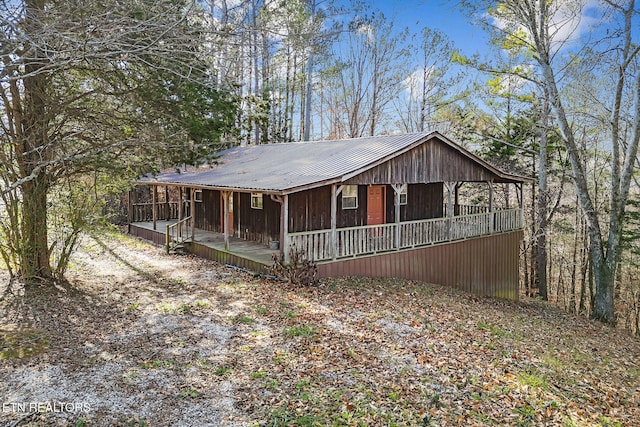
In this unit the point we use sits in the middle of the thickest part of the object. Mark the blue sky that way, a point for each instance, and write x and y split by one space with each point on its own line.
438 14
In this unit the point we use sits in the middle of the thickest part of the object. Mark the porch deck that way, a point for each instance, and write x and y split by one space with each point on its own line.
207 241
332 245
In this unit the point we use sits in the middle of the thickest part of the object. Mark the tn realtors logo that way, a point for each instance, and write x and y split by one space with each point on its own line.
58 407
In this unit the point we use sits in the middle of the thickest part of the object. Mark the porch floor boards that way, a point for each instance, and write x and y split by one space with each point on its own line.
251 250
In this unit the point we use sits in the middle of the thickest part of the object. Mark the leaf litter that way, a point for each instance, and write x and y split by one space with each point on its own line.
138 337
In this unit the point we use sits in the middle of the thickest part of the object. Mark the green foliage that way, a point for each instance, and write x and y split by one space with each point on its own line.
299 331
118 105
222 370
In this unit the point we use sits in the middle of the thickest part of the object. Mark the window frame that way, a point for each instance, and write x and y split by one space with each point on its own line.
405 193
353 197
257 200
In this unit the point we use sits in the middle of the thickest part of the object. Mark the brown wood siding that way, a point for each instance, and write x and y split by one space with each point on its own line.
424 201
352 217
430 162
260 225
311 210
482 266
208 211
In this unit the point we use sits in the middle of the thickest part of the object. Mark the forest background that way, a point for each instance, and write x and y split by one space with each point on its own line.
94 90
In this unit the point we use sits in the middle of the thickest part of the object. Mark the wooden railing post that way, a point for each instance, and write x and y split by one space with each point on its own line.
167 239
491 212
397 189
192 214
154 214
335 192
450 189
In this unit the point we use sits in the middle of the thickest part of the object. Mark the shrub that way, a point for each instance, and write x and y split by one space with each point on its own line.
299 271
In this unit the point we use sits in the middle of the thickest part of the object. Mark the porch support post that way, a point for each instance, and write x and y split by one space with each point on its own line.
180 211
451 185
167 215
130 205
192 211
138 215
520 195
507 188
491 215
154 203
335 192
225 218
236 208
285 228
284 225
456 202
397 189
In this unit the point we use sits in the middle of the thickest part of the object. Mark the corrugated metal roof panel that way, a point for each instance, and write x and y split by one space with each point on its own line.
288 166
280 167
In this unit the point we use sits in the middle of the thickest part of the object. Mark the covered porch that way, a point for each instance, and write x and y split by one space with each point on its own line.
405 202
174 226
208 244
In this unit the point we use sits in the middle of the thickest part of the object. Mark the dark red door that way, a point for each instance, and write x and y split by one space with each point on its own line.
376 212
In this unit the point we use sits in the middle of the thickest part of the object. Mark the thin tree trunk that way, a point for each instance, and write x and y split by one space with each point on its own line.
541 241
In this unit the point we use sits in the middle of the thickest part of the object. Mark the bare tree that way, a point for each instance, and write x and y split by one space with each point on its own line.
541 27
89 87
431 86
370 68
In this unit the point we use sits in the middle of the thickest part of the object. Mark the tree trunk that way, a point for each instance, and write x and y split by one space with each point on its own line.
541 241
34 153
34 253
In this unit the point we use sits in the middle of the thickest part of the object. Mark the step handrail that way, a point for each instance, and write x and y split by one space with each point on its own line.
175 233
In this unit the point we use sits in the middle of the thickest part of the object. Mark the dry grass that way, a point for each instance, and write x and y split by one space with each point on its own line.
141 338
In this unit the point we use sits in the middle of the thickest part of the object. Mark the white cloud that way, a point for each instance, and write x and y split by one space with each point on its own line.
413 83
570 20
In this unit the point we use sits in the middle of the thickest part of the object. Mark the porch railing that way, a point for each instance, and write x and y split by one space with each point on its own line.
353 241
178 233
465 209
143 212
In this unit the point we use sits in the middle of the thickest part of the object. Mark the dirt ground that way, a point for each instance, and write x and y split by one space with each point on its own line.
140 338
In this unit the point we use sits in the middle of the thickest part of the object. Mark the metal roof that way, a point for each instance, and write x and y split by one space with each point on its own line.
288 167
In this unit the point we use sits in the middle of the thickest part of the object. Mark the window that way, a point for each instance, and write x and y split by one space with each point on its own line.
350 197
197 195
403 196
256 200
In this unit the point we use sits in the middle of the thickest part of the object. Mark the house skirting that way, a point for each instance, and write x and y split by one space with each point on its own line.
486 266
153 236
224 257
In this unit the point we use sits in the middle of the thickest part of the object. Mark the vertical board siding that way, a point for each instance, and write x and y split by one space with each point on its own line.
430 162
424 201
482 266
208 213
259 225
311 210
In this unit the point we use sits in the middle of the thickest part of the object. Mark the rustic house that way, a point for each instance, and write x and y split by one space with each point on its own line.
374 206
